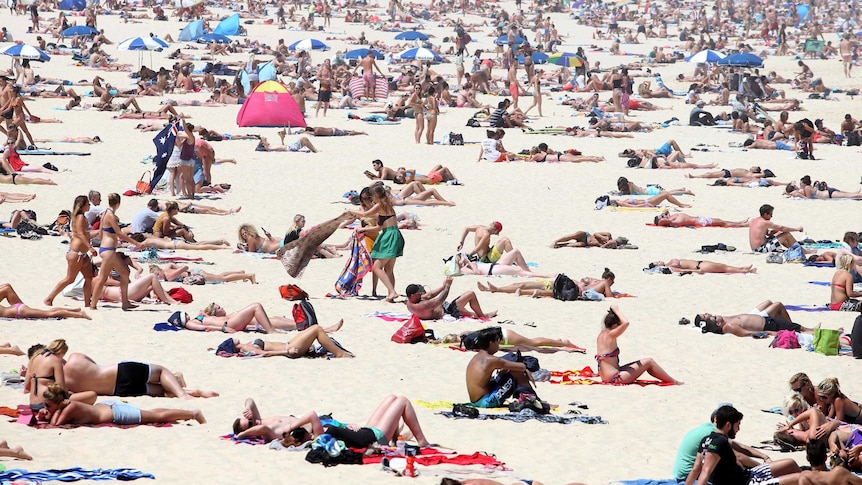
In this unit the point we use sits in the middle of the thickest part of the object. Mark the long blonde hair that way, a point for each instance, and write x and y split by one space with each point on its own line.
845 262
830 386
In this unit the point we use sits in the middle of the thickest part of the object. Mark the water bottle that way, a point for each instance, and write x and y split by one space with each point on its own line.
399 445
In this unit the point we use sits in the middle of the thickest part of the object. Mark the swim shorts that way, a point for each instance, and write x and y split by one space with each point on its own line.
664 150
493 255
502 386
132 378
769 246
294 146
123 413
434 177
761 475
780 145
851 305
772 324
704 221
513 89
451 308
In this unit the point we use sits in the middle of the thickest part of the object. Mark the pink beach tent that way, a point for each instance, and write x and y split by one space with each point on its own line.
270 104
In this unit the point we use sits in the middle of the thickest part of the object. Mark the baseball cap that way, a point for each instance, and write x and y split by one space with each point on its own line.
412 289
720 405
700 102
498 226
178 319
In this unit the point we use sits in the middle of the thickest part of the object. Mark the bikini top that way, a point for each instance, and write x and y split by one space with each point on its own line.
382 218
105 228
609 355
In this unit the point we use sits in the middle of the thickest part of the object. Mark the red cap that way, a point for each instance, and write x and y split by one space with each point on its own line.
498 226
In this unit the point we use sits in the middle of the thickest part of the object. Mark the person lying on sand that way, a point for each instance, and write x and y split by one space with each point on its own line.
437 174
768 317
323 131
653 201
301 345
18 310
753 172
544 288
584 239
701 267
251 318
667 219
177 273
507 265
432 305
512 338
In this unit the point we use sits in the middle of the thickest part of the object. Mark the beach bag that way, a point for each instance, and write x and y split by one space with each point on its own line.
856 338
530 362
473 123
303 315
456 139
194 279
451 267
853 139
180 295
411 332
142 186
785 339
292 292
565 289
826 341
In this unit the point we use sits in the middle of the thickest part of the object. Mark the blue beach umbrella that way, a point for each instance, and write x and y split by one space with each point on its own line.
24 51
308 45
74 30
538 58
504 39
742 59
360 53
213 39
706 55
142 44
411 35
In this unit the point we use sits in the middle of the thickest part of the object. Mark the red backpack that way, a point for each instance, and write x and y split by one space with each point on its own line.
303 315
411 332
292 292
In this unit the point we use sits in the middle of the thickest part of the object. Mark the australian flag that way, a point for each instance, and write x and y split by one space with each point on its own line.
164 142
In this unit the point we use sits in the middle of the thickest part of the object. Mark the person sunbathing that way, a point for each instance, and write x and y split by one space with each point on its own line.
15 198
126 379
44 368
507 265
753 172
149 241
181 274
809 192
252 318
415 193
18 310
438 174
323 131
544 288
537 155
70 139
143 287
747 182
608 355
16 452
701 267
666 219
295 146
583 239
61 410
653 201
250 240
625 187
509 337
768 317
301 345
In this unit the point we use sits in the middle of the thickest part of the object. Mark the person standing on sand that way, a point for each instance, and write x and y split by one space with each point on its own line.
368 80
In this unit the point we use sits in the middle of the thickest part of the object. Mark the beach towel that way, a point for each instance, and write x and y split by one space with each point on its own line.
44 151
296 254
528 414
359 264
530 348
437 458
807 308
75 474
243 441
357 87
647 481
587 376
818 264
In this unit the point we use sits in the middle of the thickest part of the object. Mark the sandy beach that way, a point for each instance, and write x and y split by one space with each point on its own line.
536 203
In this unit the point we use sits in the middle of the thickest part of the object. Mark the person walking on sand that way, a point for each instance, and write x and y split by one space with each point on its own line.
608 355
111 261
432 305
79 253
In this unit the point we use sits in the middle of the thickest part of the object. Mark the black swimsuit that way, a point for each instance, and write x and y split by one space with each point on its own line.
382 218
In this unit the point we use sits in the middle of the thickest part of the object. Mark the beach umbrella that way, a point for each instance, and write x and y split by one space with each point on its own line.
142 44
568 59
24 51
84 30
360 53
213 39
504 39
308 45
742 59
706 55
411 35
538 58
419 53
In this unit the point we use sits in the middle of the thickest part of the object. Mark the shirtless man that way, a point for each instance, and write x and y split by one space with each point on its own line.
433 305
767 145
482 248
753 172
767 317
252 425
383 173
491 380
368 66
765 236
846 48
815 452
126 379
679 219
324 131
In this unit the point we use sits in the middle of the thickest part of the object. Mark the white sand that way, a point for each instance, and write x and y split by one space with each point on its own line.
535 203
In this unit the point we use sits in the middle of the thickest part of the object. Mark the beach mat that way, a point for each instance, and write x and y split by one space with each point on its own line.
807 308
74 475
52 152
587 376
357 87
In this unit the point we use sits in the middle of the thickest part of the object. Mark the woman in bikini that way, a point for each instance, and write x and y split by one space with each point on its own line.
701 267
511 263
111 261
630 188
147 241
431 107
608 352
843 297
44 369
251 318
653 201
253 242
143 287
417 103
583 239
79 253
298 346
61 409
415 193
181 274
19 310
537 155
839 406
389 243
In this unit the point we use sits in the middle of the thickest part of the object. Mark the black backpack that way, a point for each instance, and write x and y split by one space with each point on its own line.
456 139
565 289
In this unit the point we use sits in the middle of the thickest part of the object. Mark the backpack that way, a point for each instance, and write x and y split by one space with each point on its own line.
856 338
785 339
853 139
292 292
565 289
411 332
456 139
303 315
470 341
473 123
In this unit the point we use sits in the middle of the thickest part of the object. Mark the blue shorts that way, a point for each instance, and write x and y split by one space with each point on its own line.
502 386
664 150
123 413
780 145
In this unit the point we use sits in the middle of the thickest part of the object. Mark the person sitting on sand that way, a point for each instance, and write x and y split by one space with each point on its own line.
482 242
836 404
438 174
126 379
44 368
753 172
666 219
584 239
18 310
768 316
819 474
182 274
653 201
491 380
252 318
544 288
608 355
383 426
301 345
765 236
701 267
843 297
62 410
509 264
148 241
323 131
432 305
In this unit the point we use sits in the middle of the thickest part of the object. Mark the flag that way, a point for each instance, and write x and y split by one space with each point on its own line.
357 267
164 142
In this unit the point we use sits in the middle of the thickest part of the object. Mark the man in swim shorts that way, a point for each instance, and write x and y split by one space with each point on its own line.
765 236
250 424
132 379
767 317
432 305
491 380
482 248
678 219
767 145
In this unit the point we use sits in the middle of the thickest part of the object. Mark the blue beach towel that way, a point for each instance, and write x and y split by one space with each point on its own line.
807 308
75 474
